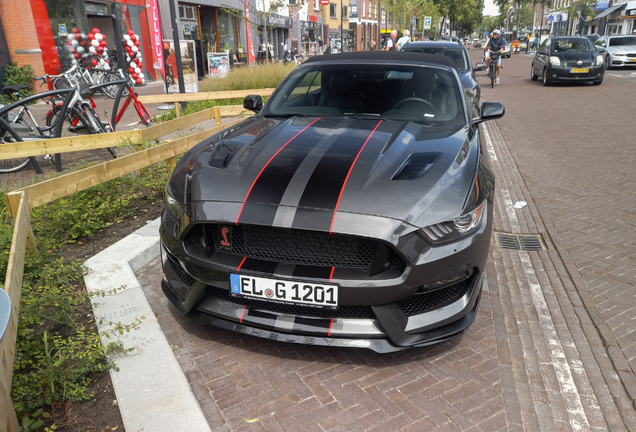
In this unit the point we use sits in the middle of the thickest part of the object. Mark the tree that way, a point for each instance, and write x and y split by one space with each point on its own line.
269 8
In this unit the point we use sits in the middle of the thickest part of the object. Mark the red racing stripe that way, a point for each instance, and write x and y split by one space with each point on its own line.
331 275
242 314
263 169
348 174
330 324
241 264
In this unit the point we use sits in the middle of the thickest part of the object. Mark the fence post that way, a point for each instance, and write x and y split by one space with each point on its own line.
172 163
217 115
13 287
177 109
13 204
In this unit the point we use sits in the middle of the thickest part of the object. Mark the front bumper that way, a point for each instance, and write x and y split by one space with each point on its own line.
385 314
564 74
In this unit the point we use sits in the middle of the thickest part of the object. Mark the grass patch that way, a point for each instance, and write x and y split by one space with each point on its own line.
58 347
252 77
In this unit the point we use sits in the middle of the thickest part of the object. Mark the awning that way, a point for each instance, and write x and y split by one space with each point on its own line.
609 11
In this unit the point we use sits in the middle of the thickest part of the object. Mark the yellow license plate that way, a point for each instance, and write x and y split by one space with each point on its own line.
579 70
632 60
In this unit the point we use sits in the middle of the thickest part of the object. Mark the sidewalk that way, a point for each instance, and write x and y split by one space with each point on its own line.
533 359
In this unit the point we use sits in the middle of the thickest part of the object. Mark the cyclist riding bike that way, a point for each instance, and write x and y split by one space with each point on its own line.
496 43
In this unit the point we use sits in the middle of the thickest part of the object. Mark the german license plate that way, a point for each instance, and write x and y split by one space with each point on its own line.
285 291
579 70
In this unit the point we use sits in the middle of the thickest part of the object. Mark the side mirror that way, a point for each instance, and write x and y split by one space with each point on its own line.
480 67
253 103
490 111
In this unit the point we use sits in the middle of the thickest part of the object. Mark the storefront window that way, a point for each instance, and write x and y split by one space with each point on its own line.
130 18
227 36
65 15
208 31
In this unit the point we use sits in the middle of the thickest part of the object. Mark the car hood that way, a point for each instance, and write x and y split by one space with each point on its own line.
623 49
299 172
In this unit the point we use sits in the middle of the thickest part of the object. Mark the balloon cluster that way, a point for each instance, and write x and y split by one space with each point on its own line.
133 56
81 45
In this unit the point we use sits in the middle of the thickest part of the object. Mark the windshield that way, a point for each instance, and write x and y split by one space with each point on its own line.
423 94
456 55
572 45
622 41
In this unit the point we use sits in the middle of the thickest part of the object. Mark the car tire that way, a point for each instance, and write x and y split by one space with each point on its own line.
607 62
533 76
546 81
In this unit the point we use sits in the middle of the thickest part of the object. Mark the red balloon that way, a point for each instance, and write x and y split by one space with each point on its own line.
135 76
90 36
94 62
100 49
83 43
131 70
131 33
103 43
138 80
95 30
137 44
76 30
77 55
128 50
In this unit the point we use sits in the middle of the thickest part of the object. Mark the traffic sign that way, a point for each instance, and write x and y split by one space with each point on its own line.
324 2
427 23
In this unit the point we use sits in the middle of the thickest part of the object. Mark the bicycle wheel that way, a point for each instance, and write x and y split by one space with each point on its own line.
111 91
9 135
94 125
143 113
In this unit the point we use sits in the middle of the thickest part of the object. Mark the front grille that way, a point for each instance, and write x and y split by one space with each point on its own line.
575 65
427 301
181 272
350 312
301 247
630 55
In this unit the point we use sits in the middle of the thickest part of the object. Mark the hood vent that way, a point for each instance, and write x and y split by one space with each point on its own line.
223 153
416 165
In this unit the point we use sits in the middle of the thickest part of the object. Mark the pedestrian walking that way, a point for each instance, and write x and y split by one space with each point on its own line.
536 42
404 40
320 44
527 43
390 43
373 44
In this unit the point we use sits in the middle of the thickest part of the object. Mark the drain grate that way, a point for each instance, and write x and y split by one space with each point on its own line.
527 242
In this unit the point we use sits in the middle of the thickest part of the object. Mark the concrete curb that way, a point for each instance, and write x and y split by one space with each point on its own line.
152 391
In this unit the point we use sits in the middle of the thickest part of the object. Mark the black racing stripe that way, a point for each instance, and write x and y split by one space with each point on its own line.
259 265
324 185
275 178
303 324
314 272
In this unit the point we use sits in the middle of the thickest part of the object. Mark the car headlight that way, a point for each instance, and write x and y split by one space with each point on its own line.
555 61
456 228
174 208
599 60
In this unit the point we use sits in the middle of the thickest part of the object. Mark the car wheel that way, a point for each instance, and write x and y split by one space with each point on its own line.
607 61
533 76
546 82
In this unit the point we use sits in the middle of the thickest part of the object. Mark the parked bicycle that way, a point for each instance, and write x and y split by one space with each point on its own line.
18 124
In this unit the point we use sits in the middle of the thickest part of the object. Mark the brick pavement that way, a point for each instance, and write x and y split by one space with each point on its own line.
532 360
573 146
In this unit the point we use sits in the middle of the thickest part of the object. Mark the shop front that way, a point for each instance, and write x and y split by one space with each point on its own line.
278 29
56 19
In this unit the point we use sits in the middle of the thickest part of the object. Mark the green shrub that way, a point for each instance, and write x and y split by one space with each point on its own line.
14 75
58 347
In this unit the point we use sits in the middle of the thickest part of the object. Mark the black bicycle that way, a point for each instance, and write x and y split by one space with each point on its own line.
494 59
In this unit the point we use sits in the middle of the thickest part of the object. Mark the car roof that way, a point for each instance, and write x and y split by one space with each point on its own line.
442 44
387 56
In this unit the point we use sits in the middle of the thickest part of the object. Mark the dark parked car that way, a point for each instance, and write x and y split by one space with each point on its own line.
354 209
459 55
567 59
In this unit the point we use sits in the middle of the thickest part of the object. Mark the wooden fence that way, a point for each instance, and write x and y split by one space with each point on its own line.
20 202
